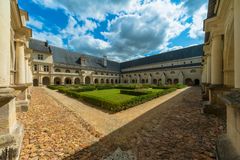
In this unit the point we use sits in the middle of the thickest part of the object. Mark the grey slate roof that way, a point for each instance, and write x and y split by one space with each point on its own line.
63 56
38 45
193 51
66 57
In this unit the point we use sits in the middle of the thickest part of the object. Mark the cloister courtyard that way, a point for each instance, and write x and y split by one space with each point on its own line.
171 126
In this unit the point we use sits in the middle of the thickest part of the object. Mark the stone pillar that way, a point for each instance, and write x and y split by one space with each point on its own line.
217 60
204 73
30 80
208 68
26 70
5 43
236 43
20 63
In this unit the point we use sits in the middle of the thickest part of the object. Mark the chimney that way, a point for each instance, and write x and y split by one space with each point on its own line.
105 61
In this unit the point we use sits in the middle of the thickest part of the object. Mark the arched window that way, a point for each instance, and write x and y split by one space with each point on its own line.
172 72
57 70
67 71
77 72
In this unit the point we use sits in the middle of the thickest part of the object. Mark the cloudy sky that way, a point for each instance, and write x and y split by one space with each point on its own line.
120 29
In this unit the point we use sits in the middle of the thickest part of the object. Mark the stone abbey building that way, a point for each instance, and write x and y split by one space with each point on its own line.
221 70
53 65
15 75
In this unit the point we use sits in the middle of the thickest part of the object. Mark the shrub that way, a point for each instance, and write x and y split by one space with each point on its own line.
135 92
106 86
84 89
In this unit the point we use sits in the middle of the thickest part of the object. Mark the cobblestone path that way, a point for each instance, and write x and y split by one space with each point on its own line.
104 122
51 131
175 130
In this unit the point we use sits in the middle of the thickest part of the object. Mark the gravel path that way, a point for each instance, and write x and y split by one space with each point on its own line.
51 131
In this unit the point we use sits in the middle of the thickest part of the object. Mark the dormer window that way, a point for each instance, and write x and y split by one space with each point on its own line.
40 57
57 70
67 71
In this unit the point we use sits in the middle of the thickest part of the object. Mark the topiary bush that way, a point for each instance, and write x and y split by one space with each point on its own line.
135 92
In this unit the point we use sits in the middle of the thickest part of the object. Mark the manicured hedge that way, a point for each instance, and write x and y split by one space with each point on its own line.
135 92
115 106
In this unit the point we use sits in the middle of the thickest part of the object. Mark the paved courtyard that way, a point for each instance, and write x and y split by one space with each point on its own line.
175 129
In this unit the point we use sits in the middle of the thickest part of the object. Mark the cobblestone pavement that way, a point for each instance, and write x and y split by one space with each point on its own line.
176 130
52 132
105 122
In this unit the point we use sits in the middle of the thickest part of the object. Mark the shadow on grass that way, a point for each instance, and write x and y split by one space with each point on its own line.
155 134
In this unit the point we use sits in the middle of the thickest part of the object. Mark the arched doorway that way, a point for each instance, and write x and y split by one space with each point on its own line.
46 81
68 81
125 81
87 80
155 81
133 81
143 81
176 81
196 82
107 81
169 81
96 81
57 81
159 81
116 81
35 82
77 81
102 81
189 82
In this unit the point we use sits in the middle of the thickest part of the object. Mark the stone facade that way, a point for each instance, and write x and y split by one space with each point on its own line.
221 70
15 76
51 67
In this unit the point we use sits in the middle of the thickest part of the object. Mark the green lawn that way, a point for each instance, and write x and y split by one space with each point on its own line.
109 97
112 95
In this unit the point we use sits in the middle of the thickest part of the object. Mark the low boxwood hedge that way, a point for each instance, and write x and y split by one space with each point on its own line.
135 92
115 106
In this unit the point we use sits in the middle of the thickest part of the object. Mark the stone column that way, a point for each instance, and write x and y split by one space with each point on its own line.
26 70
208 68
5 43
204 73
237 43
217 60
20 63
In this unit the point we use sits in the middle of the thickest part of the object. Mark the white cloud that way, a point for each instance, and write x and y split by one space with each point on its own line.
96 9
137 29
35 23
196 29
53 39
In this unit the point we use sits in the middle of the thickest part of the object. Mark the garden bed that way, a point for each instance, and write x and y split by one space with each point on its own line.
114 98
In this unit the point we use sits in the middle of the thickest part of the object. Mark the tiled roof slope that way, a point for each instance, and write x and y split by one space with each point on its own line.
38 45
193 51
63 56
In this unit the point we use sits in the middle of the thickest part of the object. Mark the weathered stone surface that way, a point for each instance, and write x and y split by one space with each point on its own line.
52 132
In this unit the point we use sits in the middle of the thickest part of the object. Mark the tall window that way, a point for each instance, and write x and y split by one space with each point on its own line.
46 68
35 68
40 57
